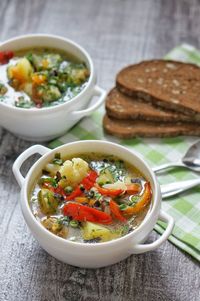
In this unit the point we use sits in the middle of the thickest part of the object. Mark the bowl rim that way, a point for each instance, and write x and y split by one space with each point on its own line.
73 99
156 201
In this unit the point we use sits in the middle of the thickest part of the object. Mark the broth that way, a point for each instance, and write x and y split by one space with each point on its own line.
90 198
41 77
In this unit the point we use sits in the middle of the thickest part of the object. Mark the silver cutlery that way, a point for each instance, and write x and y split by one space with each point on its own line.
190 160
172 189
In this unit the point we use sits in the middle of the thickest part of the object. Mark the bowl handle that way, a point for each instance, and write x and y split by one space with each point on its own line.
25 155
142 248
98 92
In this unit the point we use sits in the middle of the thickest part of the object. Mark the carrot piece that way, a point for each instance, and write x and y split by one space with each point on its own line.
143 202
81 199
38 79
133 188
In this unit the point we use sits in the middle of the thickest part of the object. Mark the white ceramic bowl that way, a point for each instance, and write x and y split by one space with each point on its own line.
100 254
48 123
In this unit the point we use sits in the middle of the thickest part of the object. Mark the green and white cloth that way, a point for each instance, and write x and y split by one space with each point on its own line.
185 208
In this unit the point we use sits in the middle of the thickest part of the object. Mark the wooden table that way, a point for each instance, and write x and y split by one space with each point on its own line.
115 33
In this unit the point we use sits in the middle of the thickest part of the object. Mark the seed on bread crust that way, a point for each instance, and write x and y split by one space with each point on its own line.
180 79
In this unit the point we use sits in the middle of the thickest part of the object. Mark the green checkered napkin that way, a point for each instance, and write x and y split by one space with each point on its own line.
185 208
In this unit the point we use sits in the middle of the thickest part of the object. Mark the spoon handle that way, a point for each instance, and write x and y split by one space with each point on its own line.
168 165
171 189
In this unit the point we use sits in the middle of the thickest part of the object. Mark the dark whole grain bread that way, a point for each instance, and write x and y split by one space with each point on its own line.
136 128
121 106
169 84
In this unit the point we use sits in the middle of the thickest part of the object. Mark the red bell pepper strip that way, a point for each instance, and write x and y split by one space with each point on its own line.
87 182
114 208
143 202
57 189
108 192
74 194
5 56
83 213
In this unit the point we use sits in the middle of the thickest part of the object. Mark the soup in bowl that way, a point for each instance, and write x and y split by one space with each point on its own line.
90 197
40 77
91 203
47 84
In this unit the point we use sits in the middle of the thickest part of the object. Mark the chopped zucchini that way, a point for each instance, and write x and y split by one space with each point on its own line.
48 93
48 204
46 61
105 177
92 231
3 89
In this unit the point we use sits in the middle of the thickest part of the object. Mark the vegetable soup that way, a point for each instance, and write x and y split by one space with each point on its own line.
90 197
40 77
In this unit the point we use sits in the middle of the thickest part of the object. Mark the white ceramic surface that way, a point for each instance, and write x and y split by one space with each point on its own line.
47 123
100 254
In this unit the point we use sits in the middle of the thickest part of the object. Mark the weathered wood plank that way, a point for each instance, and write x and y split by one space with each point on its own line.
115 33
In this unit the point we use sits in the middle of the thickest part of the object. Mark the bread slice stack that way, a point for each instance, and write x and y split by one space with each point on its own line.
154 98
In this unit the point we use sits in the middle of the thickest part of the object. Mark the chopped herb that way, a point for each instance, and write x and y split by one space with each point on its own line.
57 159
133 200
74 224
125 230
29 57
122 206
52 181
82 188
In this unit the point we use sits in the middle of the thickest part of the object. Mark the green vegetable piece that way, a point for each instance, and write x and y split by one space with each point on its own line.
134 200
122 207
74 224
52 181
57 159
48 204
105 177
3 89
48 93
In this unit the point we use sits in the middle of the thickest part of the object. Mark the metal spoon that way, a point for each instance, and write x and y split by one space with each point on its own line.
172 189
190 160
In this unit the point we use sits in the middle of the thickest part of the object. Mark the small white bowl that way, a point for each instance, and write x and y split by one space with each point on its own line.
47 123
91 255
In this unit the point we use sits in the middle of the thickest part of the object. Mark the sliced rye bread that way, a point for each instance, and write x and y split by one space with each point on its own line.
121 106
137 128
169 84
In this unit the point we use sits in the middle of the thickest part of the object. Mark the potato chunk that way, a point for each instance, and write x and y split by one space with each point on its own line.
21 71
52 224
92 231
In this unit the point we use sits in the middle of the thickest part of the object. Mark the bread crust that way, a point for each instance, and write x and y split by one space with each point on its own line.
169 84
136 128
121 106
